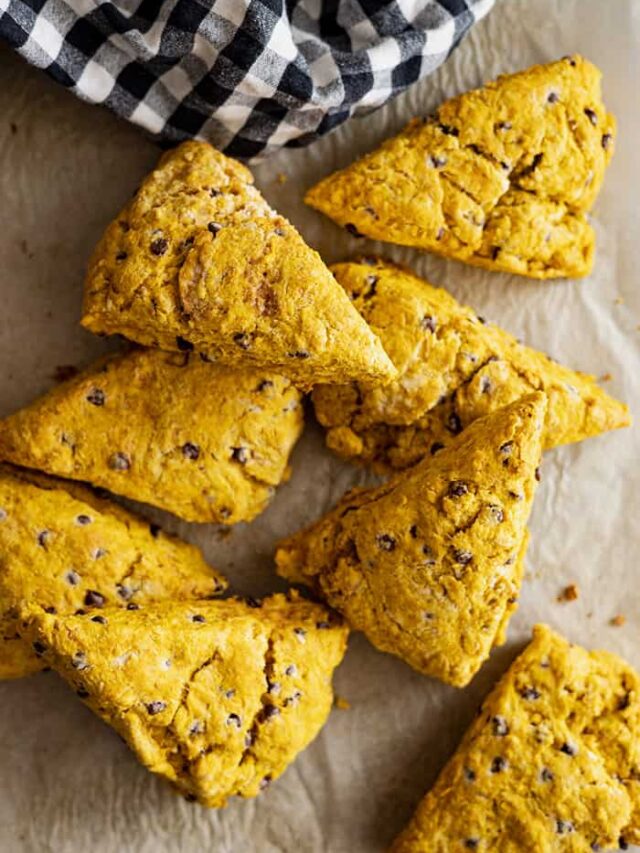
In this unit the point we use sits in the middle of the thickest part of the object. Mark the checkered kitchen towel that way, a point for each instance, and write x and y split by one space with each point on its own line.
247 75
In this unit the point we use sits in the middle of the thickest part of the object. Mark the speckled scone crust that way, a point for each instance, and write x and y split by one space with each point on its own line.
500 177
217 697
429 565
452 368
551 763
205 442
198 260
64 549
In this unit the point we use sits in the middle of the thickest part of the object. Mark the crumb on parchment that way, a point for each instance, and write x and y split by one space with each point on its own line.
618 621
342 704
569 593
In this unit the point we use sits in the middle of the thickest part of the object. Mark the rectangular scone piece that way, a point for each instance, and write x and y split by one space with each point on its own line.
551 763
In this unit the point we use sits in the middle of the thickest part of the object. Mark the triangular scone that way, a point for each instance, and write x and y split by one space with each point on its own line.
199 440
500 177
217 697
452 369
551 763
65 549
198 260
429 565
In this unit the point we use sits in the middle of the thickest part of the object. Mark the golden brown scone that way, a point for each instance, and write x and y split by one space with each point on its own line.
217 697
199 440
429 565
551 763
501 177
198 260
65 549
452 369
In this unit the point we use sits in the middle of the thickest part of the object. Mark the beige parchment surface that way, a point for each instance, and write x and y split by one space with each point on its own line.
67 784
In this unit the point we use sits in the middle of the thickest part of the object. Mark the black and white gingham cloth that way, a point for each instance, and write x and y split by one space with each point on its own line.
247 75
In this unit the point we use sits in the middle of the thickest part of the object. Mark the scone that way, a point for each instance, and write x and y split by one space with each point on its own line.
551 763
453 367
218 697
501 177
204 442
429 565
199 261
67 550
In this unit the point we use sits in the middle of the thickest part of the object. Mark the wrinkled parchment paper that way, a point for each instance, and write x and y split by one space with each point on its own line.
67 784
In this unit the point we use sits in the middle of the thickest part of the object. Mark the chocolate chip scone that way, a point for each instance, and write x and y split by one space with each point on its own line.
199 440
551 763
67 550
501 177
198 260
453 367
429 565
217 697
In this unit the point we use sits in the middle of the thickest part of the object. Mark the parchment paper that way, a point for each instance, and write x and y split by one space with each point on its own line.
66 782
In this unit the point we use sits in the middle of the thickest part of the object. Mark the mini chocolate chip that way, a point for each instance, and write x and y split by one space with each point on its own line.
498 764
119 462
251 602
506 448
133 606
552 98
351 228
242 339
454 424
99 619
471 843
83 520
469 774
428 323
72 578
504 125
196 728
323 625
266 383
463 557
435 447
98 553
440 233
496 514
39 648
43 536
499 726
82 693
198 617
300 633
448 130
183 344
428 553
50 609
157 707
413 531
240 454
591 115
234 719
94 599
606 142
265 783
79 661
291 669
96 397
190 450
495 251
299 353
230 693
570 60
546 775
622 844
530 694
159 246
537 474
155 530
273 687
269 711
569 749
595 847
214 193
214 227
457 488
564 827
386 542
249 739
121 256
485 385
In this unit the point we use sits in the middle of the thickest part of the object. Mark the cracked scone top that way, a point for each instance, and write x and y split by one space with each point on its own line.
429 565
217 697
64 549
501 177
198 260
199 440
452 368
551 763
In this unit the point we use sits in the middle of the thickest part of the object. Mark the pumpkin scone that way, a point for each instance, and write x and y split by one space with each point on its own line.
199 261
199 440
64 549
551 763
501 177
429 565
217 697
453 367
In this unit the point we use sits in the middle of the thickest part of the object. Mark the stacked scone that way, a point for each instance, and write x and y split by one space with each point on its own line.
234 318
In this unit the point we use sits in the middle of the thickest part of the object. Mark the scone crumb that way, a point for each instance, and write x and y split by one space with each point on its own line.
569 593
606 377
282 178
618 621
342 704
